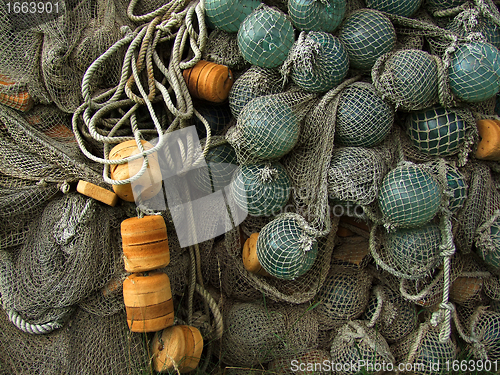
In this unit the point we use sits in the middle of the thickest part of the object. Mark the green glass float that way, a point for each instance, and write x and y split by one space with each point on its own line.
457 187
482 25
255 82
221 163
487 330
319 62
227 15
409 196
474 72
261 189
265 37
491 256
285 250
436 131
367 35
269 128
316 15
363 118
404 8
414 251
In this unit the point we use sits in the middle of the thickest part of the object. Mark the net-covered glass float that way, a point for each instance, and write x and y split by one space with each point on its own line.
474 72
317 61
486 330
367 34
457 187
404 8
409 196
227 15
436 131
444 4
265 37
269 128
409 79
463 27
316 15
217 116
363 117
491 255
285 250
414 251
255 82
261 189
221 163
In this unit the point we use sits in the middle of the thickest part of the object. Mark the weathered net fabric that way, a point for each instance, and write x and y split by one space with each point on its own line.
357 343
390 314
472 285
484 330
222 48
424 350
344 296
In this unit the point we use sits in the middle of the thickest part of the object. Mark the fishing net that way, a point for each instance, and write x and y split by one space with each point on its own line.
228 15
401 8
222 48
484 334
317 16
390 314
469 287
424 350
344 296
311 362
361 348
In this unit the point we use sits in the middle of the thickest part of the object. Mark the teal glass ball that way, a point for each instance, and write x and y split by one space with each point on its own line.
227 15
269 128
492 256
414 251
316 15
474 72
221 163
404 8
265 37
261 189
436 131
284 249
483 25
364 119
367 35
325 67
409 196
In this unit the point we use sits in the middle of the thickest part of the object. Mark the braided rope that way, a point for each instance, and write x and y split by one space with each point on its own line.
37 329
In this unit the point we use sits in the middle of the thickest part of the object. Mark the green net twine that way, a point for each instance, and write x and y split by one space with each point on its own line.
363 117
261 189
316 15
367 35
265 37
317 62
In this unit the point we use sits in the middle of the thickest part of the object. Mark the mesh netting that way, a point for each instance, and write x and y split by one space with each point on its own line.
317 62
268 126
356 173
485 331
367 35
265 37
404 8
261 189
344 296
310 362
227 15
363 117
391 315
254 82
222 48
470 21
407 78
424 350
317 15
360 346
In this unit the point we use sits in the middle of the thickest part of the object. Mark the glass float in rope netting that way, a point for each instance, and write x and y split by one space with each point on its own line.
317 62
409 196
407 78
367 34
227 15
363 117
474 72
217 116
456 185
221 163
261 189
404 8
284 249
485 331
436 131
265 37
469 22
316 15
254 82
443 4
488 246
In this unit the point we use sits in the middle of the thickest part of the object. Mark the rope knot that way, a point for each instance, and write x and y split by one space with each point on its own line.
267 173
306 242
447 250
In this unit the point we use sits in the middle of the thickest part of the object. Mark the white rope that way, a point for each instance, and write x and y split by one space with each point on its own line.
37 329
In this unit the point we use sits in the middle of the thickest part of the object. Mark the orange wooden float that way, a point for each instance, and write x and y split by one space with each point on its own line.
145 243
465 289
96 192
150 182
148 301
489 146
181 345
209 81
250 260
22 101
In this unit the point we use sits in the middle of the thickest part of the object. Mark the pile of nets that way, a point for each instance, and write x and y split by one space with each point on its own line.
319 167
